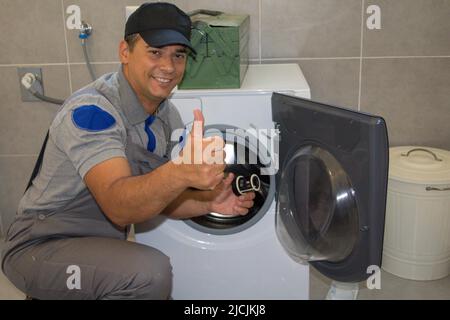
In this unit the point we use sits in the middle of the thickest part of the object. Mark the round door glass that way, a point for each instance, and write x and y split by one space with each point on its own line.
317 216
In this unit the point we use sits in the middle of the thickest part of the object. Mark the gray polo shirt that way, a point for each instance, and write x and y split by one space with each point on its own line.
91 127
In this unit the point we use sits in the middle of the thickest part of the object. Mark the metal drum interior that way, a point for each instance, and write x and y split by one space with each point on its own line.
243 158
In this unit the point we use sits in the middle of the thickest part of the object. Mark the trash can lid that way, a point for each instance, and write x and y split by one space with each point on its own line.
418 164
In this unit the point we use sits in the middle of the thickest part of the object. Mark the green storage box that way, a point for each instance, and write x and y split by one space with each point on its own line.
221 41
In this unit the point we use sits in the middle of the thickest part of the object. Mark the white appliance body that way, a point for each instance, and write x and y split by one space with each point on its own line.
250 264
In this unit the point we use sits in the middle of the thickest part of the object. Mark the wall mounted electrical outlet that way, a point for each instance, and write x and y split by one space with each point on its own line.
26 95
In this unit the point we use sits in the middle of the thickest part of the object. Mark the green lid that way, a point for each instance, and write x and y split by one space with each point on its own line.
221 20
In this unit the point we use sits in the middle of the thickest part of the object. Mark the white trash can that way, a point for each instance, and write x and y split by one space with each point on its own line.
417 227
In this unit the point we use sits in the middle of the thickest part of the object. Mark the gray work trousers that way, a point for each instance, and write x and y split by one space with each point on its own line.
90 268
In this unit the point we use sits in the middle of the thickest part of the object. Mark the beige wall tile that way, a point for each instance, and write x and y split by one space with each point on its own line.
23 124
14 175
107 19
81 76
413 96
410 28
310 28
32 32
333 81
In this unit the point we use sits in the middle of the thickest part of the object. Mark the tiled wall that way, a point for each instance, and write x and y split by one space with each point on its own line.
401 72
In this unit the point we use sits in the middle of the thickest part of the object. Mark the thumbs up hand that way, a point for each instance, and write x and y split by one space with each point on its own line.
202 160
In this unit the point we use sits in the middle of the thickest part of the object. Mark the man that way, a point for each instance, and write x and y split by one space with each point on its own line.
106 165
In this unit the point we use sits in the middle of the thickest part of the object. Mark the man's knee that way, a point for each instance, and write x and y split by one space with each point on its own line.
157 276
149 276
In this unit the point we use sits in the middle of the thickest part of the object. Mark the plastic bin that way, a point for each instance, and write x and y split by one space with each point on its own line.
417 229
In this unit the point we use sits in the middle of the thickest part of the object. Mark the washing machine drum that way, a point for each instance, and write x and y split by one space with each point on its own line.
243 159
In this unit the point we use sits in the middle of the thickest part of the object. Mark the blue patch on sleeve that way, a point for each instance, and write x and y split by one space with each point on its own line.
92 118
182 139
151 145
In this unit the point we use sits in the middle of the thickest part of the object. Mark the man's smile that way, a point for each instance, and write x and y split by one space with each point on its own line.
162 80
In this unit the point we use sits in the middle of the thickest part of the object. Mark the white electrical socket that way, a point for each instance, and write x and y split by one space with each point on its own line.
26 95
129 10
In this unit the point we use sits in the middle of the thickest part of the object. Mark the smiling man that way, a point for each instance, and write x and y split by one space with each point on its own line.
106 166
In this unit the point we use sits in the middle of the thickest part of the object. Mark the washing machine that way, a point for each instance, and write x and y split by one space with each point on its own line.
320 201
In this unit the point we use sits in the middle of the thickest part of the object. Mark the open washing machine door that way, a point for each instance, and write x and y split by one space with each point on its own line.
331 186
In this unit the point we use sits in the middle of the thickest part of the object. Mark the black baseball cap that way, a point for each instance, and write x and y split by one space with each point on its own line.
160 24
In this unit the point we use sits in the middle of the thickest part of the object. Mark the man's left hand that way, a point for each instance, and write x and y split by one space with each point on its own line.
224 201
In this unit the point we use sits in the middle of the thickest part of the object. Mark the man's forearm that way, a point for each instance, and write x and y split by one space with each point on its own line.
135 199
190 203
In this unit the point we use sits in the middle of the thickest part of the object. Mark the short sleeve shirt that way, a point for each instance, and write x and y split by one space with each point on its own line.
94 125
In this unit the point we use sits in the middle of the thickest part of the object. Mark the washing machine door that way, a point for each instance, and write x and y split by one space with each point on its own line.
331 186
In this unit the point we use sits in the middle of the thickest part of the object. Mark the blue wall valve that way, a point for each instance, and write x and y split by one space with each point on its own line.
85 30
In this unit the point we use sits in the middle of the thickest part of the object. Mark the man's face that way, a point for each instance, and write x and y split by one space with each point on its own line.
154 72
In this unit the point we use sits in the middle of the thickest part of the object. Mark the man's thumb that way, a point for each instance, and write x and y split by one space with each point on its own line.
197 126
